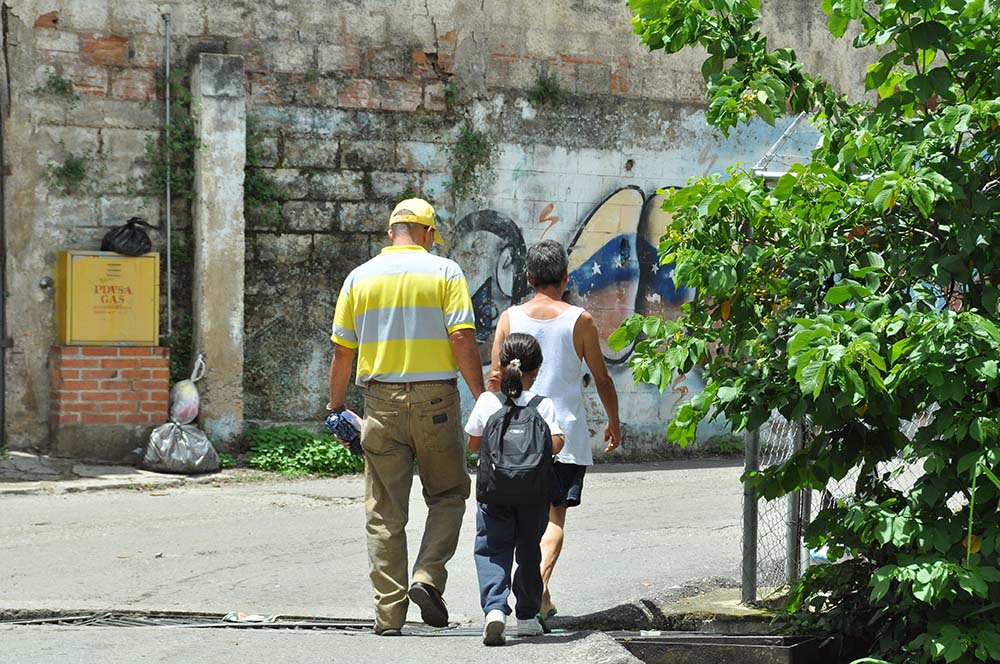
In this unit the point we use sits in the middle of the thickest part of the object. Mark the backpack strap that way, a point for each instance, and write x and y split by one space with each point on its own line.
511 407
536 401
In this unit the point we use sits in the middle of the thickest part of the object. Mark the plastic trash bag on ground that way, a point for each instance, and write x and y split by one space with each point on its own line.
184 400
179 448
129 240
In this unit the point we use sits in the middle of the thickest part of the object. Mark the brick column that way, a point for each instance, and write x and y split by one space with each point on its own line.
219 239
106 399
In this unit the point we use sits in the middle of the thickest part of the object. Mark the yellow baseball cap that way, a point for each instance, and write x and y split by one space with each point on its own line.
416 211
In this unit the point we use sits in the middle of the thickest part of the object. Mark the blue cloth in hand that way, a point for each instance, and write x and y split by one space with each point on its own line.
346 427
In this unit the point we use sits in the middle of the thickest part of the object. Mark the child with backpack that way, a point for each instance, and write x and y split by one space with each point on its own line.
516 434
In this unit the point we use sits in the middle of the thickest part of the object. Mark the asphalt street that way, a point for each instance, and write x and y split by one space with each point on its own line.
297 548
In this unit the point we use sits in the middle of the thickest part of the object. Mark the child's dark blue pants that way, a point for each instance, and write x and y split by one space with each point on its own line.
503 533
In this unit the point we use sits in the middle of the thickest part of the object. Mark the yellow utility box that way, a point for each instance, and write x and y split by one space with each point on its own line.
106 299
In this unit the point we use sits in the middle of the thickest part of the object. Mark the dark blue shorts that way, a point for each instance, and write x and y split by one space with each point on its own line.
569 483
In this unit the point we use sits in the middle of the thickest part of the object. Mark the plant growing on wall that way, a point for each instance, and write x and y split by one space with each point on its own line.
472 157
175 147
412 190
58 87
859 291
75 174
263 195
546 90
451 95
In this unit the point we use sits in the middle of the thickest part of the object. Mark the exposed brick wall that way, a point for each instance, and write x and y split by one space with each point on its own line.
109 385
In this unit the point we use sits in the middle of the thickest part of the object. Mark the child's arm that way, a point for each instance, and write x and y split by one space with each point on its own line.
557 443
475 441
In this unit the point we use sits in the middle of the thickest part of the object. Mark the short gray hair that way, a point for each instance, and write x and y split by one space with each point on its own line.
547 263
407 228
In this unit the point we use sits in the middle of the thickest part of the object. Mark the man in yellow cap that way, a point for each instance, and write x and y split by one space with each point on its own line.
408 315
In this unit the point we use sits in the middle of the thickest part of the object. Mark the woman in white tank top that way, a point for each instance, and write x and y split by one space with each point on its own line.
568 337
560 378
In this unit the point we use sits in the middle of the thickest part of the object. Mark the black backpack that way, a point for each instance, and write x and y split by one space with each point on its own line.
515 457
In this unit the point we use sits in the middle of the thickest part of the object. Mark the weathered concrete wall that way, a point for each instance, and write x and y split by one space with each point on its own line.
358 101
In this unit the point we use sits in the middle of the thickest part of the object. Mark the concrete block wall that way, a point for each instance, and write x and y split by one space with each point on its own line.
355 102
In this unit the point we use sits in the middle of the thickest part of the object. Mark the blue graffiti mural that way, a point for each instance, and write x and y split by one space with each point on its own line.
614 267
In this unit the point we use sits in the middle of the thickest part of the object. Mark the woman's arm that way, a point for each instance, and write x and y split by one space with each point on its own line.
503 329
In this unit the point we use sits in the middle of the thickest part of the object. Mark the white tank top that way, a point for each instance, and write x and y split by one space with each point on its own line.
560 378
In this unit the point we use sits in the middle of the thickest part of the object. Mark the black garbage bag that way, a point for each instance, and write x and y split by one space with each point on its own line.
130 239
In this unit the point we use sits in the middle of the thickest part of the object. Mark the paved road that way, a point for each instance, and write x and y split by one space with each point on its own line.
297 548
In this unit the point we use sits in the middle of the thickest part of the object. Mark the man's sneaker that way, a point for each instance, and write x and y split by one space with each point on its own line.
433 610
496 622
529 627
387 631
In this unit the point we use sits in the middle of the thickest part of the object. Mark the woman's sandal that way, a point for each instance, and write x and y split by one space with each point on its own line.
544 620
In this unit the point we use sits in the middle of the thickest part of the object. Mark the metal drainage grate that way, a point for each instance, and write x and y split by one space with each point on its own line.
210 621
697 647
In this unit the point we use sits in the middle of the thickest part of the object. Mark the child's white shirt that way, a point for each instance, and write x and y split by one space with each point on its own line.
488 403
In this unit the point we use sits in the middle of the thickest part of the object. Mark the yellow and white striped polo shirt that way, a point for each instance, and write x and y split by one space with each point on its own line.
398 310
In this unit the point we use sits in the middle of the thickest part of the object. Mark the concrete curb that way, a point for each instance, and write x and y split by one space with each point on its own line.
24 474
703 607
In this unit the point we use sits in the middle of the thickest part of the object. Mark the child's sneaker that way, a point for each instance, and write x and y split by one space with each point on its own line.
496 622
529 627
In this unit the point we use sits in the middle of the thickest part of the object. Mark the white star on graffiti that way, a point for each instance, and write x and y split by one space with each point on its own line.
619 262
670 274
655 268
597 268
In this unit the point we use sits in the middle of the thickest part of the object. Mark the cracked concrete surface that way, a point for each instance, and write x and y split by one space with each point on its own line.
297 548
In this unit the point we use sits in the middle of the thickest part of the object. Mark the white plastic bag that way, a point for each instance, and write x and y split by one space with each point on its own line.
184 400
180 448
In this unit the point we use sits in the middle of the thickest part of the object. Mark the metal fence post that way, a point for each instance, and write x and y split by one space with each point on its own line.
751 448
793 546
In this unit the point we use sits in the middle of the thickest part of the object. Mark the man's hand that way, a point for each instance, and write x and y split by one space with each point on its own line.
346 428
463 344
613 436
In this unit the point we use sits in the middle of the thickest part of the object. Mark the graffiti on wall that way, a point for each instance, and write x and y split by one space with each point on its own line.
613 265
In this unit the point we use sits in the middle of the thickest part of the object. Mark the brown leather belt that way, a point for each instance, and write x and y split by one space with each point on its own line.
448 381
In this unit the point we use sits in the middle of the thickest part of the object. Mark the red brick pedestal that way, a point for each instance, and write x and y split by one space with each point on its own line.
106 399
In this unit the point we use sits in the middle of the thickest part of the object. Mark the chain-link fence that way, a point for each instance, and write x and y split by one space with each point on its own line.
773 550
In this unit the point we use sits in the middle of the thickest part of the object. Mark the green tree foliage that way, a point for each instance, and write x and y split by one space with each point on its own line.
857 291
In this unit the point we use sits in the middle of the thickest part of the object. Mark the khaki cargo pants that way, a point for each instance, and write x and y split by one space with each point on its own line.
406 423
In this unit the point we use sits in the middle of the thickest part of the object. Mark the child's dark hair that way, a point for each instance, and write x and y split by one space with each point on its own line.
519 354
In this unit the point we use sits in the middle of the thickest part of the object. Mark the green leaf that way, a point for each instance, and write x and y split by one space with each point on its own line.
813 377
838 24
941 79
923 197
877 73
727 394
619 339
651 326
785 186
903 157
712 65
764 111
902 348
921 86
929 34
846 290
